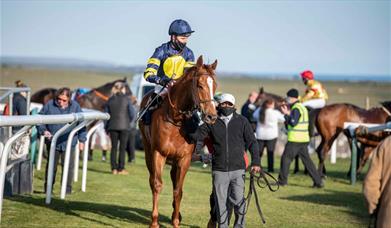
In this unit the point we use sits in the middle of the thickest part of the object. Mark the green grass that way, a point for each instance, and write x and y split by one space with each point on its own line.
126 201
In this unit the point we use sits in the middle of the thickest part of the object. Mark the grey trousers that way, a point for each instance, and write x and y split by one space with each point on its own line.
229 191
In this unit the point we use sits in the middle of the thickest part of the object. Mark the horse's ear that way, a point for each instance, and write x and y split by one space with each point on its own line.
200 62
261 90
214 65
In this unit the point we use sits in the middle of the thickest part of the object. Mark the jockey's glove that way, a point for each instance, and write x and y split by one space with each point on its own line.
163 81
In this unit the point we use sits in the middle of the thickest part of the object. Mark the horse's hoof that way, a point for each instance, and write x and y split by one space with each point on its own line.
154 226
173 220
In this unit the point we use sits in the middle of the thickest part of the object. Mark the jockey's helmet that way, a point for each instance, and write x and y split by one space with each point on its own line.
180 27
307 75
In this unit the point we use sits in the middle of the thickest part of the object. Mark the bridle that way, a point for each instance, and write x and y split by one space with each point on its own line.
194 93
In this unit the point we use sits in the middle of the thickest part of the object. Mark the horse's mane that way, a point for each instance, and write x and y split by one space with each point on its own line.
188 73
109 85
386 104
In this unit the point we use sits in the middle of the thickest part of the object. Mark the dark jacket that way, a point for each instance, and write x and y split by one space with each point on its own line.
248 111
229 143
121 112
19 105
52 108
293 118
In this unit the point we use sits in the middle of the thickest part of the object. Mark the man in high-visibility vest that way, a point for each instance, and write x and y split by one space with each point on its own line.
296 121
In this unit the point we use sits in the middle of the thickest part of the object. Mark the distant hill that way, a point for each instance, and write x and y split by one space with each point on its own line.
68 63
98 66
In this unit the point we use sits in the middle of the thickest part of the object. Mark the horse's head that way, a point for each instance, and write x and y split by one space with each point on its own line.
205 78
262 96
201 78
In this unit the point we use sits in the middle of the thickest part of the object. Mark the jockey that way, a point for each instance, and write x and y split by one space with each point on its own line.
315 95
168 62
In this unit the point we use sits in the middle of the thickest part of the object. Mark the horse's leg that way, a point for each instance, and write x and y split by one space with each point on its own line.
181 170
364 158
322 151
173 174
147 150
156 183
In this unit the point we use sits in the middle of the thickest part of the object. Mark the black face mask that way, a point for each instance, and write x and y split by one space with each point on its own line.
178 45
226 111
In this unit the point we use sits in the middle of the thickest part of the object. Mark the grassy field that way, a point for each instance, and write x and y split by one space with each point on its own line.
125 201
350 92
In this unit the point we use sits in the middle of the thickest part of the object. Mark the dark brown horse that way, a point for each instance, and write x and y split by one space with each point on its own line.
43 96
94 99
330 123
262 96
164 140
98 97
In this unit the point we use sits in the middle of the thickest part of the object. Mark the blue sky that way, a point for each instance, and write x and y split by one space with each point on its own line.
328 37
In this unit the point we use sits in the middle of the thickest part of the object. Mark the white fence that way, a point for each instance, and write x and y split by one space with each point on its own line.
74 120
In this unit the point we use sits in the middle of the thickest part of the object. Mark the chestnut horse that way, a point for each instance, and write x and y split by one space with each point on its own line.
165 139
330 123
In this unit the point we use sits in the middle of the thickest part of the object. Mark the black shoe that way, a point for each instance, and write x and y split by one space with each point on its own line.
68 191
321 185
279 183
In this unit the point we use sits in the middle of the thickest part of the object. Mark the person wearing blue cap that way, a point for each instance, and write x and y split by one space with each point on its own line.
168 62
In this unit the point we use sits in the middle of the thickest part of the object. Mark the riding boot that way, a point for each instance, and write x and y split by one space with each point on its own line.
147 118
311 120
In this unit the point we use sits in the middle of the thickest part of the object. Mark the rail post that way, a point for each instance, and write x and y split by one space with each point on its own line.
49 180
85 157
68 152
4 158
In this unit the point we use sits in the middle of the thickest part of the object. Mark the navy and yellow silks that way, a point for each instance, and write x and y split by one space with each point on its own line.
168 62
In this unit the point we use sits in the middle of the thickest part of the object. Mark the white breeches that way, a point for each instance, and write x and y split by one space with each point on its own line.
315 103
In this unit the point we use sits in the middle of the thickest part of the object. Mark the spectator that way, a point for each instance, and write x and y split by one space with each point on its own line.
266 131
19 104
131 146
62 104
377 185
249 107
298 139
231 135
122 114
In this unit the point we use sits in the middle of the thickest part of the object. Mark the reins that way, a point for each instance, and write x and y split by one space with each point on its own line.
196 100
262 181
101 95
386 111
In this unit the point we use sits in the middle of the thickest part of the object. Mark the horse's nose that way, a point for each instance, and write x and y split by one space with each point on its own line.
210 119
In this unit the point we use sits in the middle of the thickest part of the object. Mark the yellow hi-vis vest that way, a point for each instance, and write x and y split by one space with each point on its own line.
299 133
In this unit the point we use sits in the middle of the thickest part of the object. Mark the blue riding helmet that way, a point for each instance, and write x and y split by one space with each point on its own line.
180 27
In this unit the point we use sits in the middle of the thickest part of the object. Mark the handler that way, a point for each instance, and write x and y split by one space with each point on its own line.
231 135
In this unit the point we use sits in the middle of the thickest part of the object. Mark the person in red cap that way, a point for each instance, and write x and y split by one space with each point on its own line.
315 95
